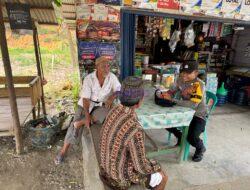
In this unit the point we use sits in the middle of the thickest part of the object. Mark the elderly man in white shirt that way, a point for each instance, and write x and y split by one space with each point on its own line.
96 98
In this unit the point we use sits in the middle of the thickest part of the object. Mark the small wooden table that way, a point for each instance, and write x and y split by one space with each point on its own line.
28 94
152 116
24 109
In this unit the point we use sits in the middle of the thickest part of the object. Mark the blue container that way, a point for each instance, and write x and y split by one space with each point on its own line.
222 99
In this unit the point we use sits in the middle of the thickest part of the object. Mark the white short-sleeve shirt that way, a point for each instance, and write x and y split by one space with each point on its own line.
92 90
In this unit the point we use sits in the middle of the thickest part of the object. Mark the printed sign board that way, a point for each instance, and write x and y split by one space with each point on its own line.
19 16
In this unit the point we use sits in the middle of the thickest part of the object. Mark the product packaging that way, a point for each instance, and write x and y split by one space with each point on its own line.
211 7
231 8
190 6
245 10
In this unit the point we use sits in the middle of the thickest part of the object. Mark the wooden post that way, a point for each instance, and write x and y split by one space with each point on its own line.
38 64
11 90
71 45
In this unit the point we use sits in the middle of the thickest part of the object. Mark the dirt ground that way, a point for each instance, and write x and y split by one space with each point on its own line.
35 169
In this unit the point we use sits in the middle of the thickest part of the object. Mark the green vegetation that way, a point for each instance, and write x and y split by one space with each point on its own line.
62 77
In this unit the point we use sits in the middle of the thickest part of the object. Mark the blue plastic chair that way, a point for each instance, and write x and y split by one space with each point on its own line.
211 102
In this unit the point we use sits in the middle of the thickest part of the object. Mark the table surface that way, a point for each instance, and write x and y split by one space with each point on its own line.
152 116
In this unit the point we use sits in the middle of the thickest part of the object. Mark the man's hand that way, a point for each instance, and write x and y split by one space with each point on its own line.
87 121
188 91
44 81
166 96
109 102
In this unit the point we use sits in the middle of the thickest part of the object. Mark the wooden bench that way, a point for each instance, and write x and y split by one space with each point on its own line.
28 93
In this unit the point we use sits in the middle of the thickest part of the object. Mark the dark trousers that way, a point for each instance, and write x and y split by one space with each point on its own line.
197 126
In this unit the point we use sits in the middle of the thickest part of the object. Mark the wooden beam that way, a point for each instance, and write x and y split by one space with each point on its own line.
72 4
18 79
38 64
6 133
9 79
42 8
19 91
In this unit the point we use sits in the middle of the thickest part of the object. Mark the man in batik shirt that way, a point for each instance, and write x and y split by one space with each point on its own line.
122 153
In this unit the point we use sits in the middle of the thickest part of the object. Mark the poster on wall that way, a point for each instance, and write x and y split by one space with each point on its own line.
107 50
168 4
211 7
87 50
231 9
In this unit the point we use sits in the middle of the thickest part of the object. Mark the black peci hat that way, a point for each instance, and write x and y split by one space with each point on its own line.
189 66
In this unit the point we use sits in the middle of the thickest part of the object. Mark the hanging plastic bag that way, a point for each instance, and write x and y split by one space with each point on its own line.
175 38
189 36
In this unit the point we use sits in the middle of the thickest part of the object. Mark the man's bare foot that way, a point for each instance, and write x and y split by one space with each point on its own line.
59 158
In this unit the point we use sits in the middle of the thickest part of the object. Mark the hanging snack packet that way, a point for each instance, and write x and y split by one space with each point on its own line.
190 6
100 12
231 8
211 7
166 29
84 11
189 36
175 38
82 26
245 10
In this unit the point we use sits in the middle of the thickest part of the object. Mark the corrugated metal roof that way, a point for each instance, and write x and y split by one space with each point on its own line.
41 11
68 1
69 9
32 3
69 13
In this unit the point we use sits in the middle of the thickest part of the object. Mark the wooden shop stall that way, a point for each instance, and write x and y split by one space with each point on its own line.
21 95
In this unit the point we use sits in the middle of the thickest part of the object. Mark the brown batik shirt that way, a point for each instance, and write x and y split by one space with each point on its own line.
122 156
